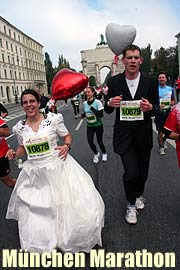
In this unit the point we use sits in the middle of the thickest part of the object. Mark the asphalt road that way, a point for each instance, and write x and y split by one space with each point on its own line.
158 228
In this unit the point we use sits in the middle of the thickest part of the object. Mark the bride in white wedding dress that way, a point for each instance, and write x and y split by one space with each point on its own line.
54 200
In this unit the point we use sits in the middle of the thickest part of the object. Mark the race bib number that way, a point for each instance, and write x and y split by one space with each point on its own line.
76 103
38 147
166 102
91 118
130 111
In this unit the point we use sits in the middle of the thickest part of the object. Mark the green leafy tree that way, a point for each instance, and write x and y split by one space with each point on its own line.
62 63
172 62
49 71
166 60
160 55
92 81
146 54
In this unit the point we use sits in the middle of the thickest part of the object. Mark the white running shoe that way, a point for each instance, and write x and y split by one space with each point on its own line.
161 151
140 203
96 158
131 215
104 157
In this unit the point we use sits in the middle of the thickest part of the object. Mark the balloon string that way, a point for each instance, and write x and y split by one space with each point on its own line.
116 58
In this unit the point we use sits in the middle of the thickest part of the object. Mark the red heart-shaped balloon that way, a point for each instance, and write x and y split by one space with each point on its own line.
67 83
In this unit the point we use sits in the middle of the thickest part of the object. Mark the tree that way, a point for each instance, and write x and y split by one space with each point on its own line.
92 81
62 63
146 54
166 60
49 71
172 62
160 55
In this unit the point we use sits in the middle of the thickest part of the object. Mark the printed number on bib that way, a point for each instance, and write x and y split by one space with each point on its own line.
91 118
166 102
37 147
130 111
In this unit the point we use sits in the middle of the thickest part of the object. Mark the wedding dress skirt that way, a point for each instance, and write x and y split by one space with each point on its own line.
57 206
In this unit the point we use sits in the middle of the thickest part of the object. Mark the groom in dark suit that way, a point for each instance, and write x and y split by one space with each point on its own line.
135 97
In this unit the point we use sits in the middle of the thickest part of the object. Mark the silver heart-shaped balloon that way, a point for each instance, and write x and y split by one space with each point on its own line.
119 36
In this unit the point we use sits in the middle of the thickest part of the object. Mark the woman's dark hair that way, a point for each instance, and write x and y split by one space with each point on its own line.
92 89
30 92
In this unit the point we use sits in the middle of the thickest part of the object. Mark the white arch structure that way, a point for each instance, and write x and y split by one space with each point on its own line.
94 60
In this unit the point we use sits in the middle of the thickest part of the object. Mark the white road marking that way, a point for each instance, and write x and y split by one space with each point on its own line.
14 116
12 135
80 123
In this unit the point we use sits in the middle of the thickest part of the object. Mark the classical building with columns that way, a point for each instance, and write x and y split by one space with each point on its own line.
21 63
178 42
94 60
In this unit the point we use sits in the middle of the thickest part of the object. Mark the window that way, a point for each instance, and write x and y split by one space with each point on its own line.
11 47
7 47
5 73
17 90
1 44
8 59
10 32
3 57
13 90
4 29
14 35
17 60
2 92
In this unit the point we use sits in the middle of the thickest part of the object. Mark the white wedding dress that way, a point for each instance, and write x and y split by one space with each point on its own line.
55 202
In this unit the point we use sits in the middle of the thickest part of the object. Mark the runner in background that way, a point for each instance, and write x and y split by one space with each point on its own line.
3 111
93 111
166 100
75 101
4 162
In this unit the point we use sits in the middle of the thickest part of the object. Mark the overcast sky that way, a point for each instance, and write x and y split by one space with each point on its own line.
69 26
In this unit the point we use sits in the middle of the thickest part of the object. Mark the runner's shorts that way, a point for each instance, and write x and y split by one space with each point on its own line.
160 120
4 166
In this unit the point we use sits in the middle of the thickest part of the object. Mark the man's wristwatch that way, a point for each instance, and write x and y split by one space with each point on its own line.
68 145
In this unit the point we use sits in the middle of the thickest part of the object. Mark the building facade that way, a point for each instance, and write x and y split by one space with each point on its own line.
21 63
178 42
